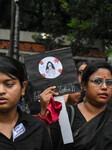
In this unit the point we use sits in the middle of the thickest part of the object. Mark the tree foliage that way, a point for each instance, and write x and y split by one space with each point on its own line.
81 20
91 20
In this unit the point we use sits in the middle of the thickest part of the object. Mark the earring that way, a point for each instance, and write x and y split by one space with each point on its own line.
84 100
24 107
84 89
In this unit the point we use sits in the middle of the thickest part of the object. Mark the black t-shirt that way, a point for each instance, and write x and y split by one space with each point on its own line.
35 137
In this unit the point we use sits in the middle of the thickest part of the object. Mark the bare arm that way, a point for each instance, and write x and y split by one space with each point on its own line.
45 99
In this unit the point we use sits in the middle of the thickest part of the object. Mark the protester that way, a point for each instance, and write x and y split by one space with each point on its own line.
80 68
90 115
32 100
18 130
74 98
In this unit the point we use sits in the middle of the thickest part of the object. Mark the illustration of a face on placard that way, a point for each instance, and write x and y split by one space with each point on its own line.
50 67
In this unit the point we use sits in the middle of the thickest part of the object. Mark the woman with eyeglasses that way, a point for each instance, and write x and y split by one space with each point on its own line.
92 117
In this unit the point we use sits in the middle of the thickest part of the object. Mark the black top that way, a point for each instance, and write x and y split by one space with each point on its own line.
78 122
35 137
79 119
104 142
85 134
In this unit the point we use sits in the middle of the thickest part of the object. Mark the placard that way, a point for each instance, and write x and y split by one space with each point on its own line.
53 68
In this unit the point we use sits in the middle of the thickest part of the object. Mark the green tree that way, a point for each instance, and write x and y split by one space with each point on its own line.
81 20
91 20
45 16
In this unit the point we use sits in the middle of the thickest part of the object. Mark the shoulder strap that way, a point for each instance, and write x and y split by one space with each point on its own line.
72 114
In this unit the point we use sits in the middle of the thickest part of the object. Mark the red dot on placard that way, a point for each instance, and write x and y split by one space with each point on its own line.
43 75
41 62
56 60
60 70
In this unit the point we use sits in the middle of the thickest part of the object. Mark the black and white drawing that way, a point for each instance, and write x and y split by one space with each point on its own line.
50 67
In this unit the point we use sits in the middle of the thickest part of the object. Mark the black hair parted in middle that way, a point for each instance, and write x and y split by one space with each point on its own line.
13 67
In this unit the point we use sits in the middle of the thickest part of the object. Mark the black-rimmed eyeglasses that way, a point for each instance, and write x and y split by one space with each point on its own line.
99 82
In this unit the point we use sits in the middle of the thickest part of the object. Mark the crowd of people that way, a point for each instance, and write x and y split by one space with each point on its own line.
92 122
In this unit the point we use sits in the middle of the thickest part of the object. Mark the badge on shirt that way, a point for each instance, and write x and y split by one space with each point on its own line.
18 130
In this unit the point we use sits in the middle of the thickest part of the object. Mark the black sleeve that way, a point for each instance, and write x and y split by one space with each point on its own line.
56 135
46 143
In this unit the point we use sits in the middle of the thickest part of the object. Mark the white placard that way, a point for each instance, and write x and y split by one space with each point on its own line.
64 122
